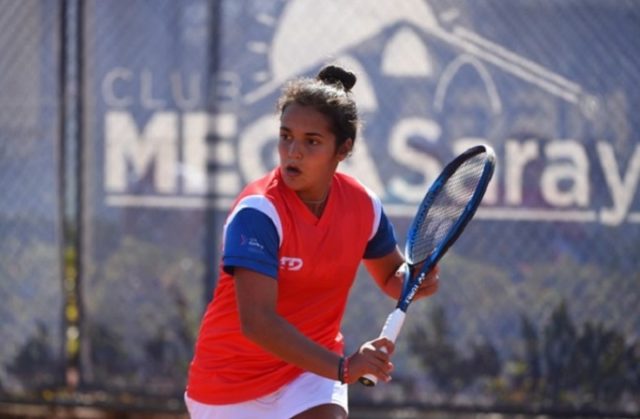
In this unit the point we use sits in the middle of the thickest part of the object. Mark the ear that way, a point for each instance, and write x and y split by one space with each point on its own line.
345 149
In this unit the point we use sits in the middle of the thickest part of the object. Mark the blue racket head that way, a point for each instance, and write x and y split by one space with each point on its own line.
449 205
446 209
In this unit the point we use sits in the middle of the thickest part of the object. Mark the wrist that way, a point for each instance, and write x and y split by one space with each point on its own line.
343 370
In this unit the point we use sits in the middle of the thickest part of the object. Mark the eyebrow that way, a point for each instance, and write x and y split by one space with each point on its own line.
307 134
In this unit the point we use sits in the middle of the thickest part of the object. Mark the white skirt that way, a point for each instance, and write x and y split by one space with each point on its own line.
305 392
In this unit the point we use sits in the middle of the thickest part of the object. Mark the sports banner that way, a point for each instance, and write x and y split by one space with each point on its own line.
537 307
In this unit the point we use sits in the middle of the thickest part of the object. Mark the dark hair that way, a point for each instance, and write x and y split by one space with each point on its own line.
330 94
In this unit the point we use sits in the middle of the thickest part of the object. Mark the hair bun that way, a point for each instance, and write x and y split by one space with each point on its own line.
332 74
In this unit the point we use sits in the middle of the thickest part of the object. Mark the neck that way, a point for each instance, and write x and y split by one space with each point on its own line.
318 201
316 206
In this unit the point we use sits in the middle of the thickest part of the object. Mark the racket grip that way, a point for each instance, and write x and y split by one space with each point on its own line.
390 330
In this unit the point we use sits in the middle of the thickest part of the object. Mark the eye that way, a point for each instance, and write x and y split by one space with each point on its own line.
313 140
284 137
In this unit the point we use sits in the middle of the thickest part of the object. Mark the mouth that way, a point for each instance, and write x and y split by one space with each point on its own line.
292 170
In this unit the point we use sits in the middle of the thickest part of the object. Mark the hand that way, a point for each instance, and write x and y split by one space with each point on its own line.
430 284
373 357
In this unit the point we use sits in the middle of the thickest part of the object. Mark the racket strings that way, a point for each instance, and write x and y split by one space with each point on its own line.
447 207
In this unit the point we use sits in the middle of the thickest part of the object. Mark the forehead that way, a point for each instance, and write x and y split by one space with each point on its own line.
304 118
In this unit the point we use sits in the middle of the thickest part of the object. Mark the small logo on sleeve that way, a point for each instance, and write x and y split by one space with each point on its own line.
252 242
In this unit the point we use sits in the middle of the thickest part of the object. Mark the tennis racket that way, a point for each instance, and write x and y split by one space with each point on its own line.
444 212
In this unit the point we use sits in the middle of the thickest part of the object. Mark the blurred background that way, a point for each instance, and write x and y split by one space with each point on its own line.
128 127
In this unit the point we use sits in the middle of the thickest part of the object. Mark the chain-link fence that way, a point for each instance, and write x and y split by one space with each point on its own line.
135 123
31 316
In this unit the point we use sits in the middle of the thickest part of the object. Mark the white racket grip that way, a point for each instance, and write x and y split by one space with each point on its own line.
390 330
393 324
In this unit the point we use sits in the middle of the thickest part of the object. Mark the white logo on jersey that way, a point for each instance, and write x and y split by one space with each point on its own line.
291 264
255 243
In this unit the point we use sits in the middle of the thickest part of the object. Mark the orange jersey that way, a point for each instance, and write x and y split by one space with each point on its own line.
314 260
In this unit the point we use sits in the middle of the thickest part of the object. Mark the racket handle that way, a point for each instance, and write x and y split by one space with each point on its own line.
390 330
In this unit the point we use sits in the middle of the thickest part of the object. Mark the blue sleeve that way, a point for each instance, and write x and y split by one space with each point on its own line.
251 242
383 242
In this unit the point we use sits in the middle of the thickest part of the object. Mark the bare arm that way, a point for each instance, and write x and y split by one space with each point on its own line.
387 272
257 298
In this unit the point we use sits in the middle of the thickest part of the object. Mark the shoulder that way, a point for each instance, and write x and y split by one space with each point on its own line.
348 180
262 185
353 185
259 195
360 195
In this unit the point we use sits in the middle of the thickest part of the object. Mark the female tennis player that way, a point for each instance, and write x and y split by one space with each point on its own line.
270 345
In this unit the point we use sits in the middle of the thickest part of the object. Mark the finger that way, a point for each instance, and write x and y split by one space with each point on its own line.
384 373
430 285
384 347
382 370
433 273
368 363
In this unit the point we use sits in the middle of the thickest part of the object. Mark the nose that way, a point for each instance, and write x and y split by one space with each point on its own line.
294 149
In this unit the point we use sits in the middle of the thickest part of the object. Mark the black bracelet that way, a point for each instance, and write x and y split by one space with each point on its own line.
341 370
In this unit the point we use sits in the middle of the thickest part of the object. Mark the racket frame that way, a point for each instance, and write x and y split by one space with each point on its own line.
410 286
411 283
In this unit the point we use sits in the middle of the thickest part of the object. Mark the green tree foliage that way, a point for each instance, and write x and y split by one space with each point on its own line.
141 317
560 339
562 367
450 369
31 336
33 363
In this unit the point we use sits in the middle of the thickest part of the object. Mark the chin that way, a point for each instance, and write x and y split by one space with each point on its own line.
291 183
